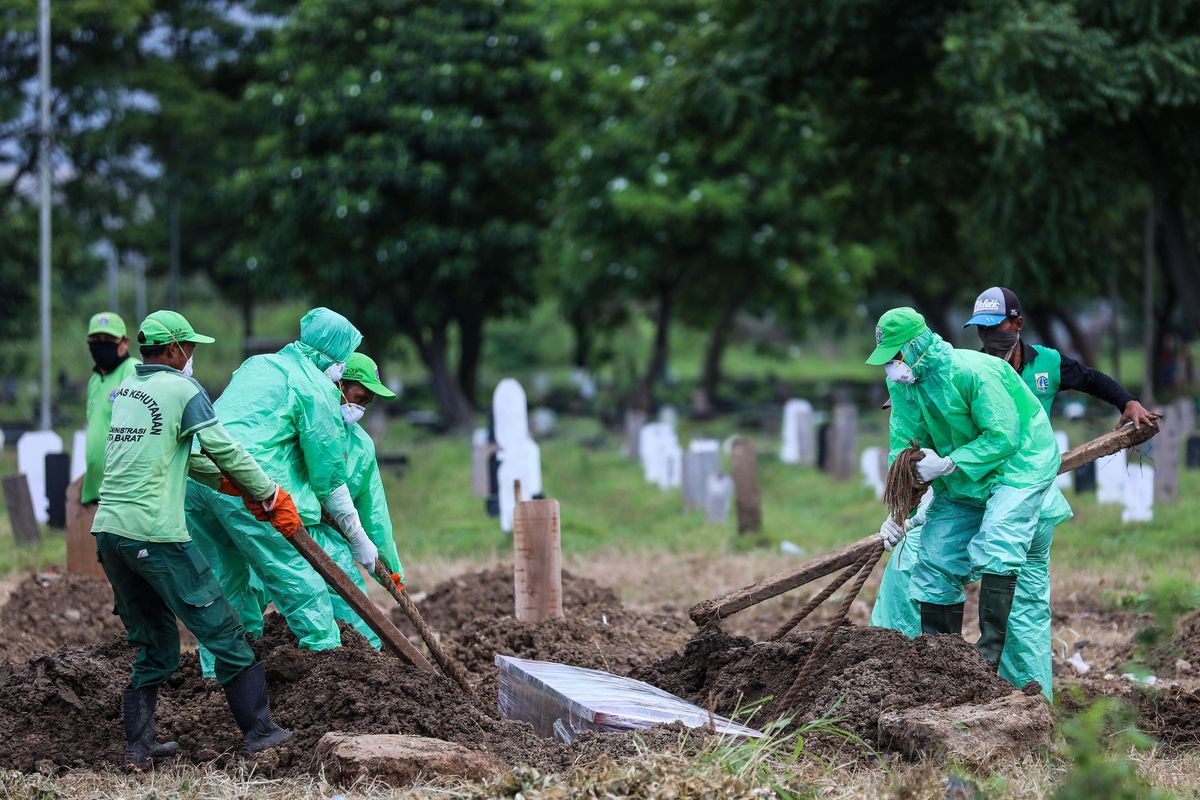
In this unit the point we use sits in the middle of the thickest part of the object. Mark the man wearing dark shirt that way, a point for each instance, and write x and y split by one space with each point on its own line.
1045 370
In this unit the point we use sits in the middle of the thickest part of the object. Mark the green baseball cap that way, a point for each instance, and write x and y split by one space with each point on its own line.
169 327
896 328
108 322
360 367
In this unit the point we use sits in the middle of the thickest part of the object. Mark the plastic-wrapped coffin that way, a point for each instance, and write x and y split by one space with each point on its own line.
562 701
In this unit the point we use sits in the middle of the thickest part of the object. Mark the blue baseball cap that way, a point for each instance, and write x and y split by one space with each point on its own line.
994 306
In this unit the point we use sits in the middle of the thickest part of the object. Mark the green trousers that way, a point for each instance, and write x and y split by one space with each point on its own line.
155 582
239 547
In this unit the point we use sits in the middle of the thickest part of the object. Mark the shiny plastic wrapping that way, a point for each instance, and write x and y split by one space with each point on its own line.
561 701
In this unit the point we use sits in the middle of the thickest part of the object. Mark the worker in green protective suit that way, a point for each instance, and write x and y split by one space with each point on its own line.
359 386
142 543
109 346
990 456
285 411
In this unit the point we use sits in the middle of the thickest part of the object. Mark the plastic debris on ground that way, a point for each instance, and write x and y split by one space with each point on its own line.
1081 666
562 701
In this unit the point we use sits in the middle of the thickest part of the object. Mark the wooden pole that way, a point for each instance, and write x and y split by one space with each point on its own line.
718 608
537 561
745 486
81 545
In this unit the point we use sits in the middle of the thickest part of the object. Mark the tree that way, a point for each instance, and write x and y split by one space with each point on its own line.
400 169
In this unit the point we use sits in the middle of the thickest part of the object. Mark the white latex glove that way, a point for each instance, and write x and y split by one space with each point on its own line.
890 533
933 466
364 550
340 506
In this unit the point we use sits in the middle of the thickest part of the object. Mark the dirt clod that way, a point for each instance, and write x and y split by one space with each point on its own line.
51 609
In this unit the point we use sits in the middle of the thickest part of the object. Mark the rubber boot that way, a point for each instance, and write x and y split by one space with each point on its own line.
940 619
137 714
995 604
247 696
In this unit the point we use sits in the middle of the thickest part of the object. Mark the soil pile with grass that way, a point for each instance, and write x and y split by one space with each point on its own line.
865 672
63 709
50 610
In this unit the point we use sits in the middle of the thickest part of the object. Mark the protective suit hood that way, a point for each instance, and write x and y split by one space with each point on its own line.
327 337
926 353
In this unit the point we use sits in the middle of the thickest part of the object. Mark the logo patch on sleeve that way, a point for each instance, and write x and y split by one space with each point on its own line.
1042 380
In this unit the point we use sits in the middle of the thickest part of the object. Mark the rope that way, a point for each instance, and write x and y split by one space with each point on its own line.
865 566
815 601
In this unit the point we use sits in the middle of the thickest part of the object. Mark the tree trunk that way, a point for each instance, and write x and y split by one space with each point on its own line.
1043 316
1083 345
455 409
660 350
582 333
935 307
704 401
470 334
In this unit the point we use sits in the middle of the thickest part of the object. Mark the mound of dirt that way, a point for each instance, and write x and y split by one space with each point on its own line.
63 709
489 594
50 610
865 672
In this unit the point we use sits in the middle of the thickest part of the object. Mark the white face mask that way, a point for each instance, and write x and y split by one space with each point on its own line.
899 372
352 412
187 368
334 371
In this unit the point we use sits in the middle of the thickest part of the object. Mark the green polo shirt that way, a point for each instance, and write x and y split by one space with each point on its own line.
101 391
155 414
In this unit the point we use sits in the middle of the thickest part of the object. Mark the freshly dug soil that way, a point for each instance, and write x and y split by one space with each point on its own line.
865 672
63 709
49 610
1170 714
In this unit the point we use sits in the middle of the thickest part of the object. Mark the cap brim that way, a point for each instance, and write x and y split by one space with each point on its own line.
106 332
200 338
378 389
883 354
986 320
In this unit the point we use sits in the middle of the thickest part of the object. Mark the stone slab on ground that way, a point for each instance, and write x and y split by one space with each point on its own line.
1006 727
398 760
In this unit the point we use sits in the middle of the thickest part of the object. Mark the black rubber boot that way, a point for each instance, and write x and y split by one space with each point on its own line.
137 713
938 619
247 696
995 604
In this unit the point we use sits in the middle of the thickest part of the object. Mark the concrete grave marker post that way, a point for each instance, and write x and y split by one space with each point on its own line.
798 438
1168 446
20 510
635 420
481 454
32 449
78 454
1138 495
843 440
1110 478
702 459
718 497
1063 482
745 482
869 466
518 455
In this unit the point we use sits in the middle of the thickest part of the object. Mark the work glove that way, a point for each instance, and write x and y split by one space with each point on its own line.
364 550
890 533
226 487
279 510
933 466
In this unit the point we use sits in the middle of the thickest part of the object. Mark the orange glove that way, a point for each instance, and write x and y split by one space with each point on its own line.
283 514
399 581
228 488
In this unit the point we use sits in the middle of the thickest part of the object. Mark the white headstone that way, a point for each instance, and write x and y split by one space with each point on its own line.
542 421
1138 497
518 455
583 380
78 455
481 453
32 449
718 498
1 439
869 465
541 383
1110 478
1074 410
798 437
662 458
702 459
1063 482
668 416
